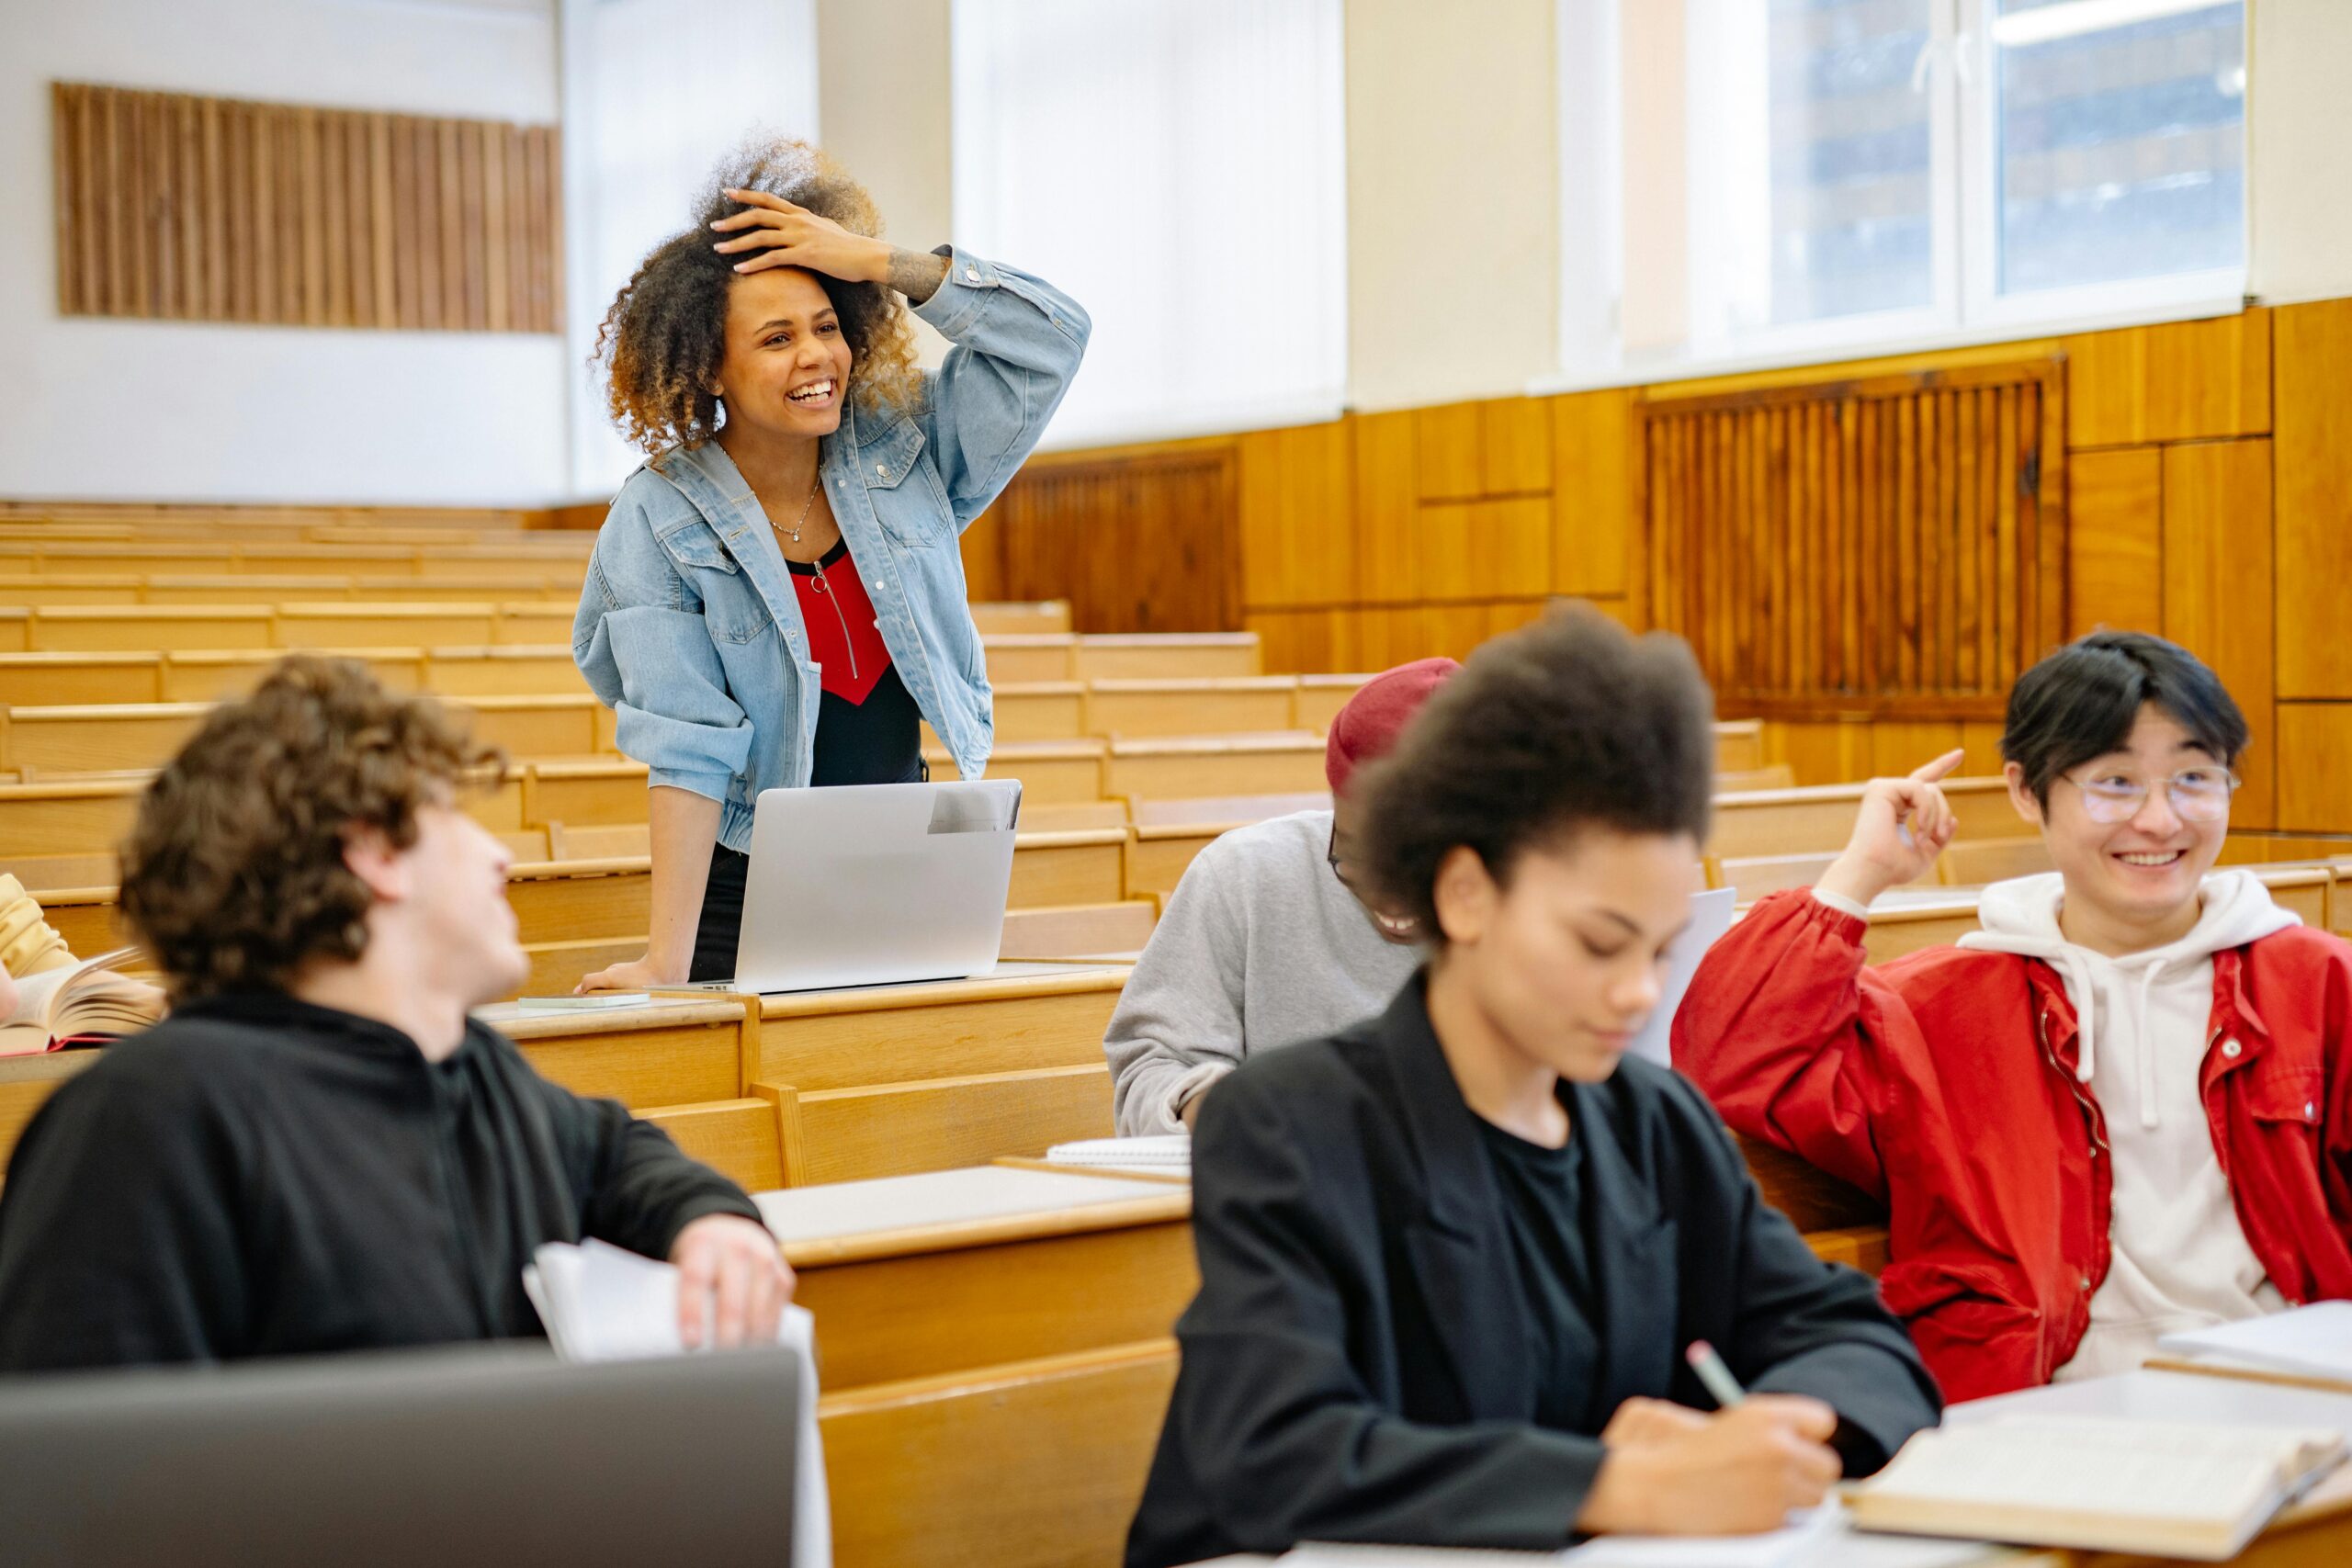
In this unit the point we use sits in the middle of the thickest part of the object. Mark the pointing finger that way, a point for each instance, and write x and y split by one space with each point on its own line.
1942 767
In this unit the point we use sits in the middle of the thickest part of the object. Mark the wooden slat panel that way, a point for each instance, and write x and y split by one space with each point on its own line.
1139 541
196 208
1882 542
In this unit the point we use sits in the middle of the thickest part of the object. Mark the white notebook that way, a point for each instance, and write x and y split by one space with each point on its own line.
2314 1341
600 1303
2102 1482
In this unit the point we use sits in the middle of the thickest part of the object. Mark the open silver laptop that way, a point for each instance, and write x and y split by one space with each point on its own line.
872 884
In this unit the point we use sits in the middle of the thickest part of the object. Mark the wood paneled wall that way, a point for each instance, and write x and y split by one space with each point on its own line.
198 209
1895 542
2207 487
1137 538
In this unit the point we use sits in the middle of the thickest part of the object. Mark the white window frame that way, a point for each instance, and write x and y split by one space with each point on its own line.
1966 308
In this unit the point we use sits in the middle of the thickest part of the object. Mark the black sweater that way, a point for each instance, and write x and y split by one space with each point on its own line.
260 1176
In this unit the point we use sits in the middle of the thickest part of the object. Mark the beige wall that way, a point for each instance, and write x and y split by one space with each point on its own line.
1453 200
883 105
2298 60
1453 174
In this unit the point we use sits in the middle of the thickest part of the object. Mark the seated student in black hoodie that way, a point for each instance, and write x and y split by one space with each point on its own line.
319 1150
1452 1258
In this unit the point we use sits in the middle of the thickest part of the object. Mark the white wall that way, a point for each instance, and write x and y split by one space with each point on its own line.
2300 124
135 410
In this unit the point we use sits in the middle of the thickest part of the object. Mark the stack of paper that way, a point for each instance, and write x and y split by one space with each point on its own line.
601 1303
1169 1154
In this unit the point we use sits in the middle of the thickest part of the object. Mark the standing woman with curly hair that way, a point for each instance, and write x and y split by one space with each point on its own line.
776 598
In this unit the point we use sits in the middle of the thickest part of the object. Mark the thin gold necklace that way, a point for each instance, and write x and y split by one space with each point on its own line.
794 530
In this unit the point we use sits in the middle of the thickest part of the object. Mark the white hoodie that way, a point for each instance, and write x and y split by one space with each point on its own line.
2180 1260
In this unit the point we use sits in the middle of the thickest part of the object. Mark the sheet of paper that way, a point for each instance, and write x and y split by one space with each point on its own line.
2315 1341
601 1302
1711 915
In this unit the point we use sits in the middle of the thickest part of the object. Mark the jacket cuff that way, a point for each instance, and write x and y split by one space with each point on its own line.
701 1206
962 296
694 780
1843 904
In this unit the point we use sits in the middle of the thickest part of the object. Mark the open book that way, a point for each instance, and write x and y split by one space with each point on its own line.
600 1303
2107 1483
82 999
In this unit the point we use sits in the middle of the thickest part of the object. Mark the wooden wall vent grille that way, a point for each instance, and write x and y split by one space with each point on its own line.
213 210
1894 545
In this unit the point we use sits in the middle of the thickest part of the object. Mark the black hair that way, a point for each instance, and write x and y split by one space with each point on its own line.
2082 701
1569 723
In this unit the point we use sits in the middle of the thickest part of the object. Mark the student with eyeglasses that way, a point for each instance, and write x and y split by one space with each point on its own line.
2122 1108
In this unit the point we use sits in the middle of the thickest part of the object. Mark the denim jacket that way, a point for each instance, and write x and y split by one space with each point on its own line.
688 626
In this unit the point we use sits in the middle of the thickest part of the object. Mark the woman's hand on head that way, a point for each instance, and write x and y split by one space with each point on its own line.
1903 826
637 974
771 232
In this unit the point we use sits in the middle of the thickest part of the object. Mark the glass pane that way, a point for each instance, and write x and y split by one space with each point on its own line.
2122 148
1852 197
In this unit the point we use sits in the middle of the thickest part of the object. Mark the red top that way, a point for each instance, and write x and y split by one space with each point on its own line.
842 637
1944 1083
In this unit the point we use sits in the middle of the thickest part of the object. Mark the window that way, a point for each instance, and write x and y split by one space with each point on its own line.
655 91
1802 177
1178 166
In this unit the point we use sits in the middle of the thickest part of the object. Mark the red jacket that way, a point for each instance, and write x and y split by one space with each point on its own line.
1944 1084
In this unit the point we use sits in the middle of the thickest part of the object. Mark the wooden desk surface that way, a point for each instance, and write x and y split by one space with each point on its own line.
1036 977
956 1272
896 1216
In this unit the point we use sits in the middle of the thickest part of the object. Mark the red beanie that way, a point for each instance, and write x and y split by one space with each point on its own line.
1373 720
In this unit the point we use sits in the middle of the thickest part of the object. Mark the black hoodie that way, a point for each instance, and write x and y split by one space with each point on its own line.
259 1176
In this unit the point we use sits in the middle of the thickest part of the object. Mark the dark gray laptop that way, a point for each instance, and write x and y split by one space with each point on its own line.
422 1458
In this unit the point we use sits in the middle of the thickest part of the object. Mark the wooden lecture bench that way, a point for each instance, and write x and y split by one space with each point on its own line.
114 737
140 628
209 674
45 590
887 1080
1802 821
983 1324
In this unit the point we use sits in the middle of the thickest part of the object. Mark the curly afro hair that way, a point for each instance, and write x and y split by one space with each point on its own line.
1566 724
665 336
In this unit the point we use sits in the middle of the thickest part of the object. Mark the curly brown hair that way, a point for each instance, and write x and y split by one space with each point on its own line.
233 874
1569 723
665 336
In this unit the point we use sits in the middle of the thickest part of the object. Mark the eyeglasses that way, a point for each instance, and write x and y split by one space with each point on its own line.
2197 794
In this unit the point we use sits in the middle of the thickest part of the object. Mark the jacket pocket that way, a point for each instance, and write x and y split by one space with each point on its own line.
731 607
1975 1338
908 498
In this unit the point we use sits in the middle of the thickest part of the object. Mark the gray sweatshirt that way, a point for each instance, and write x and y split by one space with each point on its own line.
1260 946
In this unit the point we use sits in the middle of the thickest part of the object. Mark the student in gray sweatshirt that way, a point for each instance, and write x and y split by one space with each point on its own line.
1268 939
